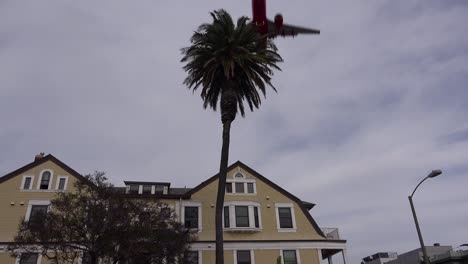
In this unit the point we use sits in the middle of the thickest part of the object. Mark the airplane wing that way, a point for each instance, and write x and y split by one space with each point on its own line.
288 30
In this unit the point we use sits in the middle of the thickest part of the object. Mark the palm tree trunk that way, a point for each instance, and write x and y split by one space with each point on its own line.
221 192
228 114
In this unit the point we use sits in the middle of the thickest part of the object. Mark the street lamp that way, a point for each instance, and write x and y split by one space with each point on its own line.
433 174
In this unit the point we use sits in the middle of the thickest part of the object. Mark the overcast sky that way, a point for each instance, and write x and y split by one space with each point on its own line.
363 112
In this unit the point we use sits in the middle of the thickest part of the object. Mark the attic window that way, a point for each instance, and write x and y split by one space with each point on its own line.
46 178
239 175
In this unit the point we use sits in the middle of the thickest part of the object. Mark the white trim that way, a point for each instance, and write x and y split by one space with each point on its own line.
50 180
24 179
252 255
200 254
140 189
153 189
319 255
244 181
34 202
192 204
298 257
270 245
39 258
58 182
293 217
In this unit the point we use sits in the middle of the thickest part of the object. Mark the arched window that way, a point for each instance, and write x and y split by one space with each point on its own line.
46 178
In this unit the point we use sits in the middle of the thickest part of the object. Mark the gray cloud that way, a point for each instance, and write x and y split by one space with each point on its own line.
363 111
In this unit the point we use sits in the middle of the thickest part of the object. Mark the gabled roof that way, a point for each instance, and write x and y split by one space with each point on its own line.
273 185
40 161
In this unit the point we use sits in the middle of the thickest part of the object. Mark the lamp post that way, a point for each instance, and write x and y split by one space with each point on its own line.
433 174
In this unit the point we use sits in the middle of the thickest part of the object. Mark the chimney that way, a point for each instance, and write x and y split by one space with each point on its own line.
39 156
437 245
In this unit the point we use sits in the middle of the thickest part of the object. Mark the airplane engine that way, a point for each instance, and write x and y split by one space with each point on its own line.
278 21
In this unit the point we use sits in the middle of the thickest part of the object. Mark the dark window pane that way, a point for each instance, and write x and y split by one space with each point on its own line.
38 213
147 189
27 183
191 217
250 187
134 189
29 258
240 187
289 256
242 216
159 189
226 217
243 257
256 217
191 257
45 180
61 185
228 187
285 217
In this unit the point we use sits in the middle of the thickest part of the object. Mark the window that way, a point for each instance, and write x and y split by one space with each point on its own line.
239 175
257 225
28 258
191 257
242 216
228 187
286 221
26 184
289 257
243 257
134 189
226 217
191 217
37 215
239 187
61 183
146 189
250 187
285 217
242 186
45 180
159 189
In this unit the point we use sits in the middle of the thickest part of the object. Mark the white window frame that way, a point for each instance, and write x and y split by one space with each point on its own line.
50 181
35 202
24 179
192 204
298 255
232 215
58 181
244 181
39 257
252 256
293 217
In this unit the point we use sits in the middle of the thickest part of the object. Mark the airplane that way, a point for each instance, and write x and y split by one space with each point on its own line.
275 28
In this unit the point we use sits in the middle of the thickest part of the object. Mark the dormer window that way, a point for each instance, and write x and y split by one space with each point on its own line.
27 183
147 189
134 189
159 189
44 180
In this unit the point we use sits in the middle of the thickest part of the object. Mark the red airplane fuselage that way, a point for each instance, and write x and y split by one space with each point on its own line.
259 15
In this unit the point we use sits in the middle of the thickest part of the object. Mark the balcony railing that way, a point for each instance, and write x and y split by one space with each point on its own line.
331 233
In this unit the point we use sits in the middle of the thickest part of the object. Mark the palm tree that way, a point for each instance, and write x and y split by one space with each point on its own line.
231 63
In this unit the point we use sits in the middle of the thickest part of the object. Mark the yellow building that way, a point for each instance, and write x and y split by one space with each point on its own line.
262 221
